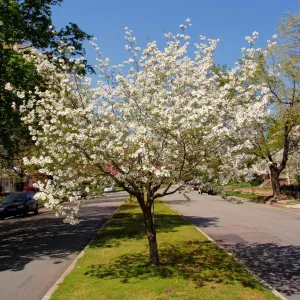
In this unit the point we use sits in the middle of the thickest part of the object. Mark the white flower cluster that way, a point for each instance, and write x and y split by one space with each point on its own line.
156 119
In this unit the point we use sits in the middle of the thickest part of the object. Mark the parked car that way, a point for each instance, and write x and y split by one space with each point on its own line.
19 204
83 193
109 189
207 189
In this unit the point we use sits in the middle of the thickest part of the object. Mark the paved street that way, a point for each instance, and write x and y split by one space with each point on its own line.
266 238
36 250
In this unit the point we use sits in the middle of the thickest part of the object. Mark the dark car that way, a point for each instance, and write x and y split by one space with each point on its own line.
19 204
207 189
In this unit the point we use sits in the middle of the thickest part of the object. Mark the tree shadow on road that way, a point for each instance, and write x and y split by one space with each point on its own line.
45 236
277 265
203 222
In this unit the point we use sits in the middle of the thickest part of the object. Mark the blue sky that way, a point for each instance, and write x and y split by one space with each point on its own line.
228 20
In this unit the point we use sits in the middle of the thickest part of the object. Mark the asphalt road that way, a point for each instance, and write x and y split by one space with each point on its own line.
36 250
266 238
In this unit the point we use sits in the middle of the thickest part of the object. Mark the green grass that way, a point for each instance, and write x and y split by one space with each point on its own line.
252 197
42 203
116 265
295 201
237 185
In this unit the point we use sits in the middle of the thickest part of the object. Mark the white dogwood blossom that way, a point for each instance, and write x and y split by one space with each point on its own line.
155 120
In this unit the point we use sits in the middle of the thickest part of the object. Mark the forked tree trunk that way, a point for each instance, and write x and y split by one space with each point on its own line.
151 233
275 173
277 169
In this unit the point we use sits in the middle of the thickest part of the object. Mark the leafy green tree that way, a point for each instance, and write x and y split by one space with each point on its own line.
26 24
279 136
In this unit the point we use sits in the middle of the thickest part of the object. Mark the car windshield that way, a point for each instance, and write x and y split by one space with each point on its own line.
15 198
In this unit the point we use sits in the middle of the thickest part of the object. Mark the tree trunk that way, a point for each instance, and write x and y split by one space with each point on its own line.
19 186
151 233
275 173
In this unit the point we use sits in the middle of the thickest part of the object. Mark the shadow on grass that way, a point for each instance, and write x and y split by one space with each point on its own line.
195 260
199 261
125 225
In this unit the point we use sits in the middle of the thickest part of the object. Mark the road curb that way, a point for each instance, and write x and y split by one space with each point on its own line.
239 261
74 262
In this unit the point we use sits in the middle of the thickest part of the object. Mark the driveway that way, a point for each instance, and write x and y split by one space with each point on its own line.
36 250
266 238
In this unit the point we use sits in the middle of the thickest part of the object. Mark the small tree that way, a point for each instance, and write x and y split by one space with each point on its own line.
152 122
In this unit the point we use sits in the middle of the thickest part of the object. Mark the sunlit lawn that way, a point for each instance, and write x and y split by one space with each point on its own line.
116 265
252 197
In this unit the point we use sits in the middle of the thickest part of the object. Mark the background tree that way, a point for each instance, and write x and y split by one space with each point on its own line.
25 24
279 70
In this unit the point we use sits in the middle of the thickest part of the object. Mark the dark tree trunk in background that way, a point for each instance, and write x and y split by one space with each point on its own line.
275 173
275 168
19 186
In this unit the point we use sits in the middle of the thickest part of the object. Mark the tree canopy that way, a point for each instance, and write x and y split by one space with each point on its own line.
153 121
278 136
26 24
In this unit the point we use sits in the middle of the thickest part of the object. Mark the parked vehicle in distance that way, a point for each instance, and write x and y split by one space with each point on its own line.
110 189
207 189
19 204
83 193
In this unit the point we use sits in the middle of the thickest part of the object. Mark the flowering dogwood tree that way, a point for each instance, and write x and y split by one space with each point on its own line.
153 121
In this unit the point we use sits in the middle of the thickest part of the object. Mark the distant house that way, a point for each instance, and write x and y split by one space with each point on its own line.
283 178
10 182
7 183
290 175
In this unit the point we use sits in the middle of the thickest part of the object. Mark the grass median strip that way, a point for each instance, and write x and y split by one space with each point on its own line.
251 197
116 264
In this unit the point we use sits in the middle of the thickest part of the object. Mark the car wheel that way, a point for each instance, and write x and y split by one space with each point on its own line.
26 211
36 210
